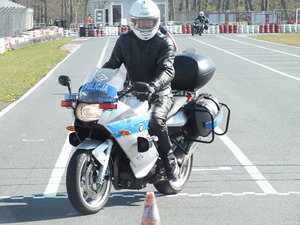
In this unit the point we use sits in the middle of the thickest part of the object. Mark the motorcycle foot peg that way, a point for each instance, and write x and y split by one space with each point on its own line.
153 138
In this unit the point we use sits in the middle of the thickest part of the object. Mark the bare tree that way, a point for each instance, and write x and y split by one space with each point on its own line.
249 5
283 5
219 5
172 12
226 5
236 4
199 6
187 5
204 5
180 6
264 5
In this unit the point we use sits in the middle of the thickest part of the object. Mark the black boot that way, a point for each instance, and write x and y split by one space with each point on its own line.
171 166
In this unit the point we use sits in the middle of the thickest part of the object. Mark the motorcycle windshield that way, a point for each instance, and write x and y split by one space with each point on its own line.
102 85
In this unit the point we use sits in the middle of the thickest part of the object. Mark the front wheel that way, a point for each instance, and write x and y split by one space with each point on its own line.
85 194
193 31
169 187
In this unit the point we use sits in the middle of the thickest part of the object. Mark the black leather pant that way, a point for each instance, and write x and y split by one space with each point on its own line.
160 107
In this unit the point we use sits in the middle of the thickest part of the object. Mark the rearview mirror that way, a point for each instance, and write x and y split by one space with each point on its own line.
65 81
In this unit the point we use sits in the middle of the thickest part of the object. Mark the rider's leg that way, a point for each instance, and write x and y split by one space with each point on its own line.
159 111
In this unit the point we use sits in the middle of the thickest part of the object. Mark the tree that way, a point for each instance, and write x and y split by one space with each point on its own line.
283 4
248 5
226 5
172 12
236 4
264 5
187 5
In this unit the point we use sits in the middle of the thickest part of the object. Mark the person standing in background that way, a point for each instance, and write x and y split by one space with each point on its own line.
57 22
50 22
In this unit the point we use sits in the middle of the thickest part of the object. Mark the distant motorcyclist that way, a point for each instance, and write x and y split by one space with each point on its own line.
202 20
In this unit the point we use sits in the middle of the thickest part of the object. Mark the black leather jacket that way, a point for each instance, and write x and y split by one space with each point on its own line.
202 19
149 61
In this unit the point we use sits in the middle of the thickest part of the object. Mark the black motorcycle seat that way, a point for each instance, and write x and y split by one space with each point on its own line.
179 101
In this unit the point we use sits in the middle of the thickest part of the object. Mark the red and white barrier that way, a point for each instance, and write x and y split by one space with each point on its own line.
2 45
8 42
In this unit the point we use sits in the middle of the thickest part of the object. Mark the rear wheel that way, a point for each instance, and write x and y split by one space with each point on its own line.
85 193
169 187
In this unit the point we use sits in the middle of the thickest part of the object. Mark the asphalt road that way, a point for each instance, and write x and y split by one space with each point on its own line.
250 176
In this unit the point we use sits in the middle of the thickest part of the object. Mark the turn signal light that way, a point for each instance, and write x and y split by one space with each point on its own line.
66 103
70 128
125 132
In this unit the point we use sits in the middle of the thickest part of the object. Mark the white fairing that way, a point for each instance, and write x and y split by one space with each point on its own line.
126 123
131 115
178 120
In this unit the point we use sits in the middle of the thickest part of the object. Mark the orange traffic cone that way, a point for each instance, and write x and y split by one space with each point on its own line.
150 215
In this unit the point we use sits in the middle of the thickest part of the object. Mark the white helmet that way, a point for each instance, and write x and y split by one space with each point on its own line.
145 19
201 13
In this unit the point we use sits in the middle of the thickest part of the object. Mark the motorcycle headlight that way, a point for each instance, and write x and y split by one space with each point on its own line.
88 112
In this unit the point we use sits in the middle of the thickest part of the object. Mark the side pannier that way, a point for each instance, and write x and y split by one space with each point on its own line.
205 114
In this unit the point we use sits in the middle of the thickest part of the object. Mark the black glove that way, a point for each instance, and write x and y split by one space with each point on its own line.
145 96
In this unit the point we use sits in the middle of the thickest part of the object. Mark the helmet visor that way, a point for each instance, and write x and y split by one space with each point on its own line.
144 24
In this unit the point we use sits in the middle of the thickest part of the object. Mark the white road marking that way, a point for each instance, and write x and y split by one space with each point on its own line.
58 170
10 106
273 43
248 165
208 169
102 54
222 194
248 60
61 163
37 140
258 46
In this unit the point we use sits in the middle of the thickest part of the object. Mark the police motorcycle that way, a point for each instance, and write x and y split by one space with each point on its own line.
113 146
199 27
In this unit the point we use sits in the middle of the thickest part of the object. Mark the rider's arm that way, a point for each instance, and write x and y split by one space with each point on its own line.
116 58
174 42
166 32
165 72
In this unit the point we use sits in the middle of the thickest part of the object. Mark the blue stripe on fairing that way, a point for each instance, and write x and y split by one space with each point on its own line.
217 121
133 125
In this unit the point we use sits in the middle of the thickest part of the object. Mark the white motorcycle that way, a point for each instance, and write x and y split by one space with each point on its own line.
111 136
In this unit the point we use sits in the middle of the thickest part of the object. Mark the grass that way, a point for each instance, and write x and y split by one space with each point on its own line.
292 39
22 68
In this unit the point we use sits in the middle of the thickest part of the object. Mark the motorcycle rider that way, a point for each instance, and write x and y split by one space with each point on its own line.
201 17
148 56
203 20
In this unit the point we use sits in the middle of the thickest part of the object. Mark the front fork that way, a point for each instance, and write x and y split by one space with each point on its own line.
101 151
102 154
